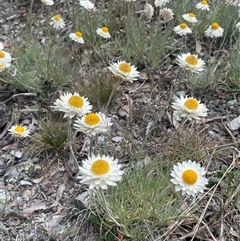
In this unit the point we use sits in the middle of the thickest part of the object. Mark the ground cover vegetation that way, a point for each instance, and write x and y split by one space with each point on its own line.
120 120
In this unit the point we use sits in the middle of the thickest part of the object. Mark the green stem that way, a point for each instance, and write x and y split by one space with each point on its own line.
115 86
91 145
70 141
108 212
49 56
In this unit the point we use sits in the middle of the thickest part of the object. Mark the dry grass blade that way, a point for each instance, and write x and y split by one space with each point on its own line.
232 165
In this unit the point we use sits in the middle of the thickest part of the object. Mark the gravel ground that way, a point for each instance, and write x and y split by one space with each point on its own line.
42 198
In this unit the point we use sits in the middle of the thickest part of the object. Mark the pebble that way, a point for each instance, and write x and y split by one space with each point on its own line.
53 222
17 154
26 194
101 140
25 183
83 200
116 139
11 174
4 196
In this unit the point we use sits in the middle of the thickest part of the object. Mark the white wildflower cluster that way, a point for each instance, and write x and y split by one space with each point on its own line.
98 171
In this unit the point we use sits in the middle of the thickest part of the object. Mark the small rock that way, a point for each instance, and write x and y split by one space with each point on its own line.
101 140
25 183
17 154
53 222
83 200
4 196
213 134
234 124
116 138
26 194
37 168
123 113
11 175
231 102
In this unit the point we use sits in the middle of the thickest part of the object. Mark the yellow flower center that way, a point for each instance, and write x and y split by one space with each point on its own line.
191 104
183 25
105 29
92 119
192 60
191 15
2 66
125 67
76 101
78 34
204 2
190 177
215 26
57 17
2 54
19 129
100 167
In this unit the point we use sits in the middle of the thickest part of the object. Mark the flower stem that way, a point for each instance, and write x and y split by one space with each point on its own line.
91 145
70 141
108 212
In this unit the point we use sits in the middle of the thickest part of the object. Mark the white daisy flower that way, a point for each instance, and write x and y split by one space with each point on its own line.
103 32
47 2
1 46
203 5
238 26
93 123
3 66
166 14
72 105
214 31
161 3
188 177
148 10
182 29
189 107
57 22
190 17
190 62
19 131
5 57
100 172
86 4
124 70
77 37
